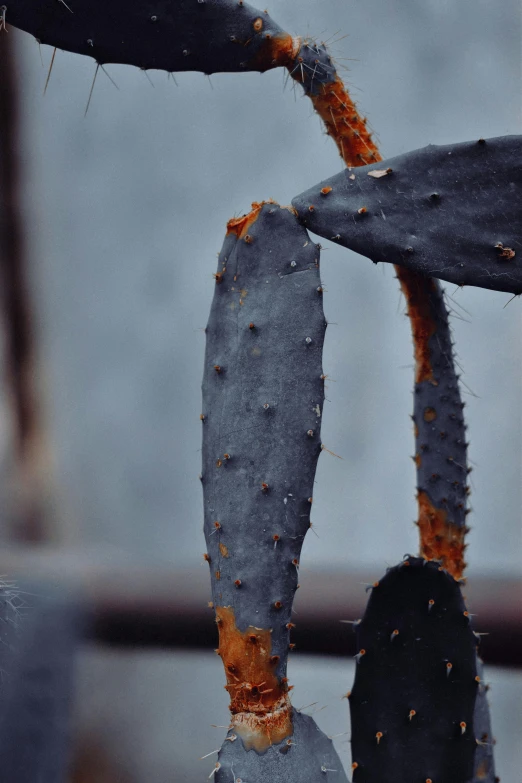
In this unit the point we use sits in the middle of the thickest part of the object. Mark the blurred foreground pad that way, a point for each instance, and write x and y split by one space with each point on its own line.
37 686
453 212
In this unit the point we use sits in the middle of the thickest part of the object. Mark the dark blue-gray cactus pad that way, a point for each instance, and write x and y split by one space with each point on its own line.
453 212
308 757
173 35
263 393
415 686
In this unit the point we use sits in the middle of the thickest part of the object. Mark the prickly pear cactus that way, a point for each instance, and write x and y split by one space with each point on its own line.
37 692
416 681
263 393
451 212
313 66
440 436
172 35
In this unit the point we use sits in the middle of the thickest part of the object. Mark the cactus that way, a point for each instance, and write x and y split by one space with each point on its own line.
171 35
313 67
451 212
263 393
37 692
484 767
413 699
441 450
440 438
418 704
442 468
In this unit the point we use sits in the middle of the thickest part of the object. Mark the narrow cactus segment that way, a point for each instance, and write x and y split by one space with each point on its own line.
263 393
172 35
313 67
440 438
415 686
37 692
450 212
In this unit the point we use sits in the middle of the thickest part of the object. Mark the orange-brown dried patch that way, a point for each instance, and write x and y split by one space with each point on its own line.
417 290
418 459
241 225
223 549
343 122
439 538
430 414
261 712
276 50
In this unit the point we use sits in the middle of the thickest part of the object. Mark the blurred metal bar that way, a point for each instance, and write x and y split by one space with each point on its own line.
159 606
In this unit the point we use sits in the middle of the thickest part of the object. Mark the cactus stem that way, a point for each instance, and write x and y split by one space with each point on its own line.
440 539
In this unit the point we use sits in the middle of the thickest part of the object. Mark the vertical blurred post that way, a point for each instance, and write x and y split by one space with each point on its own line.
24 519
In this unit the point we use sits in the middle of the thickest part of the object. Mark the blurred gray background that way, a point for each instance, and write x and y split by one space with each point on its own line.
126 210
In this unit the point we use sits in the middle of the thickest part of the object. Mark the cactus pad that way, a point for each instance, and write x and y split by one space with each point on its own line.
415 686
450 212
263 393
172 35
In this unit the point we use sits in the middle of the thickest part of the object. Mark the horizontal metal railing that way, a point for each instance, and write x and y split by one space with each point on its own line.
149 605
